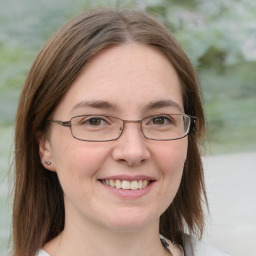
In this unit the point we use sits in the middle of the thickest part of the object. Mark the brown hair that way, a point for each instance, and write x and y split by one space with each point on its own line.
38 208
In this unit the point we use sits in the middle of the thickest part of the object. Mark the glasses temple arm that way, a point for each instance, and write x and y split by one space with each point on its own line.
65 123
192 124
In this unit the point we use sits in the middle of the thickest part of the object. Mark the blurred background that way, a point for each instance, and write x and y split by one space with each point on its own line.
220 39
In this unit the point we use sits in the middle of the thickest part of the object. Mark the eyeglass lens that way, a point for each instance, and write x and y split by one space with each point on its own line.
105 128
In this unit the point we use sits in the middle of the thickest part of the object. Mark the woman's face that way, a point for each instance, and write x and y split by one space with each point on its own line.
131 82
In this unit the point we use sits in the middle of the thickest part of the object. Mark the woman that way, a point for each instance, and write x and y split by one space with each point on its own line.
107 143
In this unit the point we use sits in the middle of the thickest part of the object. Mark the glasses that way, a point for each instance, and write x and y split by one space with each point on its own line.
107 128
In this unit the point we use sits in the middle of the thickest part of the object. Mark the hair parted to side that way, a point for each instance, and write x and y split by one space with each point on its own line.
38 207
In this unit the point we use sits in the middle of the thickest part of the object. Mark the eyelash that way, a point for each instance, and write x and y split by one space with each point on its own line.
168 119
89 119
103 120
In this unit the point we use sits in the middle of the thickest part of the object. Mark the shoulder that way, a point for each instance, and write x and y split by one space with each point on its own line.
42 253
201 248
193 247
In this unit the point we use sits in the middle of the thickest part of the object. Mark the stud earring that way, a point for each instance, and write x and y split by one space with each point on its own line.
47 162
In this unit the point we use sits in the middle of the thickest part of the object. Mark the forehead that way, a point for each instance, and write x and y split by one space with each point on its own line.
128 77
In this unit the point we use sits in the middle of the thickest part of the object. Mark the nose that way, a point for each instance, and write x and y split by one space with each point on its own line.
131 147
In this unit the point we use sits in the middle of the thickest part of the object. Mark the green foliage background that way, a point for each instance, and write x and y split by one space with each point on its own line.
219 37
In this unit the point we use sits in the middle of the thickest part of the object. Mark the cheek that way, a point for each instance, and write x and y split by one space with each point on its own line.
171 158
170 161
78 159
171 155
77 166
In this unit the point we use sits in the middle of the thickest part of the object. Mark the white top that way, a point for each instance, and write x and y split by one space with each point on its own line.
202 249
199 248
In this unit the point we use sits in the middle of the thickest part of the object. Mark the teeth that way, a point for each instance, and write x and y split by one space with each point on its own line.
125 184
139 184
118 184
144 183
134 185
111 183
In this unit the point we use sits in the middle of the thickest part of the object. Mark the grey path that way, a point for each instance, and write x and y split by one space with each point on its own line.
231 187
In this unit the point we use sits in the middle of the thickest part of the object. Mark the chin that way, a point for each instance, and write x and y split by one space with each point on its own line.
133 222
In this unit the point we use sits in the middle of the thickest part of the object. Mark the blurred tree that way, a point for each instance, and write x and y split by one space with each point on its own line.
218 36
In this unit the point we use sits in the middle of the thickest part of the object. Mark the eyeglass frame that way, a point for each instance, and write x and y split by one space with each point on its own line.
192 126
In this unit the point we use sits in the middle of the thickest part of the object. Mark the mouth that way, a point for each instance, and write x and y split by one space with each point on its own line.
126 184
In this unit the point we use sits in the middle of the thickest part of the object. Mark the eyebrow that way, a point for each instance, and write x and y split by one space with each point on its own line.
99 104
164 103
94 104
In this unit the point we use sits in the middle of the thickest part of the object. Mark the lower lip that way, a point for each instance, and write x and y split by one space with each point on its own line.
129 193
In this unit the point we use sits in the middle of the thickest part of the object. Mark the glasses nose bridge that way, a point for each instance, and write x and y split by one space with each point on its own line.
133 122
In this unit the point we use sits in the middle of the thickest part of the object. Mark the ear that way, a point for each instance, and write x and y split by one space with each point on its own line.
45 151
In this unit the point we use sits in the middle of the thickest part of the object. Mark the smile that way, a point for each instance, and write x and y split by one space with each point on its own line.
126 184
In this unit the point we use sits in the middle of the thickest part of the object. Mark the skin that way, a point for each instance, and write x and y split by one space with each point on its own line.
129 77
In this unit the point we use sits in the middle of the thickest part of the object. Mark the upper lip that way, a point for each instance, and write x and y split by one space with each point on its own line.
128 177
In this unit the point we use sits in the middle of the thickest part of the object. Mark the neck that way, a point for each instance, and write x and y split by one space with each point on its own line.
97 241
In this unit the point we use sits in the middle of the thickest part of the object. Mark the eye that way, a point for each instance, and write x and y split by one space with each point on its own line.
161 120
94 121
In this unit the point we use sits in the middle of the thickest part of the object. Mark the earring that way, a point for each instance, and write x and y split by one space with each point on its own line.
47 162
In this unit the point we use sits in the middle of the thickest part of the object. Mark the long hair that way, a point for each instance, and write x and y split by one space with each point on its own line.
38 208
